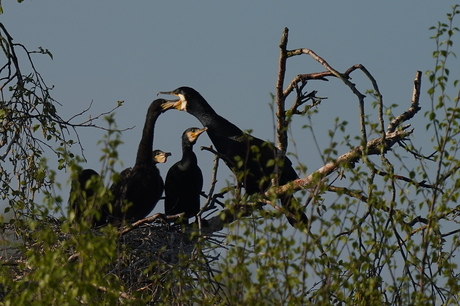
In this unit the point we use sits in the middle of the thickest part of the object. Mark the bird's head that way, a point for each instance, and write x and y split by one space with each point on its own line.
159 156
192 133
185 95
158 105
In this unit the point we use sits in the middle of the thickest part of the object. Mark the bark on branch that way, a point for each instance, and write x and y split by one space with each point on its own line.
378 146
374 147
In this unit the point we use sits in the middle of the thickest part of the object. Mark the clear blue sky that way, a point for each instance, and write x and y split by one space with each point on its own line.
105 51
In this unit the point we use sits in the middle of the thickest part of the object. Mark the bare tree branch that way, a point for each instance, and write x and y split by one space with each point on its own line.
280 97
374 147
414 108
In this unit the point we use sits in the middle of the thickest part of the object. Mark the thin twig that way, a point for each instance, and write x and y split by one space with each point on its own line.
413 109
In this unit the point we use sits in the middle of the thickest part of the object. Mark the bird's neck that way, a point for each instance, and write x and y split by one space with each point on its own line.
144 152
214 122
188 156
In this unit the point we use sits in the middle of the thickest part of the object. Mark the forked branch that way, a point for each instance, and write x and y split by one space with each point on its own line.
378 146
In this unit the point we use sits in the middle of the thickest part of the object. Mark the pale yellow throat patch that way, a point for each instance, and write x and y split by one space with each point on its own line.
192 137
183 106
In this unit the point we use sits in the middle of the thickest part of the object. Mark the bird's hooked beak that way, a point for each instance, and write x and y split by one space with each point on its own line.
161 157
200 131
179 104
193 136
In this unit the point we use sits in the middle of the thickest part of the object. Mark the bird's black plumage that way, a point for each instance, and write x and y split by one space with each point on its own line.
184 180
139 188
84 200
247 156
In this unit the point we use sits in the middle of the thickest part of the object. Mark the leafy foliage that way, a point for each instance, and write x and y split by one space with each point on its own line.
381 230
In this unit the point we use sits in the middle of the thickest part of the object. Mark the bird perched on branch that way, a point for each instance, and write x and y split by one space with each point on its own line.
250 158
140 187
184 180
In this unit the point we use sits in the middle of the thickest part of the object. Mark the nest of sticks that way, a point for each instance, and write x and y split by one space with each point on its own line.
150 254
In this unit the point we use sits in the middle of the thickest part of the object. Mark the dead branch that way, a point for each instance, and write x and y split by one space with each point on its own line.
303 79
281 129
413 109
374 147
150 219
302 98
210 198
344 78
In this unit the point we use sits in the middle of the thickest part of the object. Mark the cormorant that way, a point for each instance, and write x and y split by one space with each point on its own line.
140 187
81 201
160 157
248 156
184 180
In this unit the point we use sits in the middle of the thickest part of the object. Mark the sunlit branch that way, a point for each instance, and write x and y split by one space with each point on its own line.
374 147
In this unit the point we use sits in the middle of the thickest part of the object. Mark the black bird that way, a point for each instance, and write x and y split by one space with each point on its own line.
247 156
82 200
160 157
140 187
184 180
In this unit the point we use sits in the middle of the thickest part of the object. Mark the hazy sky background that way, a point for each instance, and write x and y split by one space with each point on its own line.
106 51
